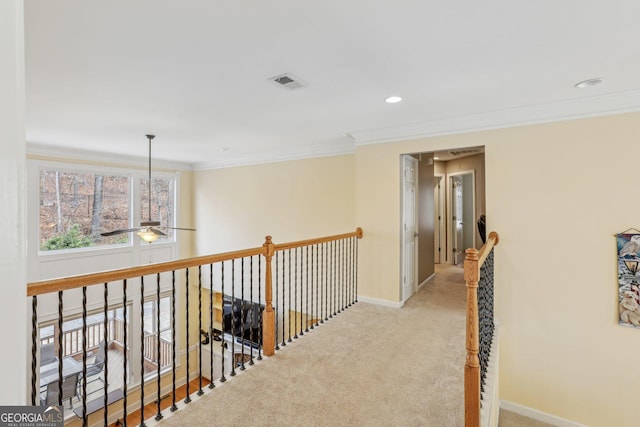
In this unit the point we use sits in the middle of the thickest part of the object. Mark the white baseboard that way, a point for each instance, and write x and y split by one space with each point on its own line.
538 415
382 302
424 282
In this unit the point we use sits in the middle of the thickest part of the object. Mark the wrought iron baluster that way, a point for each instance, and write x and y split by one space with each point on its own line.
340 281
277 347
34 347
317 313
233 318
105 338
84 359
188 398
325 281
125 377
295 296
306 295
356 270
200 392
332 279
253 311
289 298
142 424
260 309
283 304
222 342
174 407
159 415
314 296
242 368
334 282
211 383
60 353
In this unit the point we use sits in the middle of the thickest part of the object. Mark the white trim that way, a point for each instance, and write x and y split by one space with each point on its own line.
424 282
275 156
538 415
62 154
571 109
382 302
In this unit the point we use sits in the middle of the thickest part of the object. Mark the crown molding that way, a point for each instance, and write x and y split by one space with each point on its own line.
602 105
54 152
320 150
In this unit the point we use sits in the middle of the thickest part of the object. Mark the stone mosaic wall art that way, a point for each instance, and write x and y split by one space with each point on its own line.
628 245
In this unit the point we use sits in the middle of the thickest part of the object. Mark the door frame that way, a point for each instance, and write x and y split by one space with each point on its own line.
449 222
440 229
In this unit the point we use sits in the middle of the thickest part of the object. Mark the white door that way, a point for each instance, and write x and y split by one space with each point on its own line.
456 220
409 226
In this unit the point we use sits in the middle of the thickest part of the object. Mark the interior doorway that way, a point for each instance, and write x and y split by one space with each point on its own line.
462 228
440 236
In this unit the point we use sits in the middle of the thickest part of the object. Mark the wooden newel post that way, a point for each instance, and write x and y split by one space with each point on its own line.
472 364
268 317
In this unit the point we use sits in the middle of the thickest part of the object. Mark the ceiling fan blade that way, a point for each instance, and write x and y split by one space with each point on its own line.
156 231
121 231
180 228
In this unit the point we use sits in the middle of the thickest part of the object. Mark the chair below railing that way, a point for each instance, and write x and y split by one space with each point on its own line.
162 326
478 275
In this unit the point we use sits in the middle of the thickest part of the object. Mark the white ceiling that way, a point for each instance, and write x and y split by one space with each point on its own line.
102 74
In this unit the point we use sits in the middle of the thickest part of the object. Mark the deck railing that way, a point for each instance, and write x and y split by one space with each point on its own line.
226 311
478 274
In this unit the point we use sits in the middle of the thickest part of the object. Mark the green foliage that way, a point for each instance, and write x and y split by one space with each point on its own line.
72 238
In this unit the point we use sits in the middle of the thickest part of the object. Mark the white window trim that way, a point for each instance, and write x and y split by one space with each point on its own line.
136 252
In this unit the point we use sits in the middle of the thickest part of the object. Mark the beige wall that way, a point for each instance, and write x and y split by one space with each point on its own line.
556 193
235 208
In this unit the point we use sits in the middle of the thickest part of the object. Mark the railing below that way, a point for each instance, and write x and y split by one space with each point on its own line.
478 274
248 303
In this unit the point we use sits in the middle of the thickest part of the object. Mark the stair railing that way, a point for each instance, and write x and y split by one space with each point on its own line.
246 301
478 275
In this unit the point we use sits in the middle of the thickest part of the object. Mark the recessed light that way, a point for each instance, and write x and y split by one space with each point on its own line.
589 82
393 99
223 149
436 158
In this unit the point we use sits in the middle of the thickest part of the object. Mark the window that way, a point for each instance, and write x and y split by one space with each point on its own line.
162 202
154 331
75 207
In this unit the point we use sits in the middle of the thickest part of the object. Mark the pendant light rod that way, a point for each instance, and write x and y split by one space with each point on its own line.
150 137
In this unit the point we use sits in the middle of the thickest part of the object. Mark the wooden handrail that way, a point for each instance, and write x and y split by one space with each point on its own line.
73 282
472 263
309 242
267 250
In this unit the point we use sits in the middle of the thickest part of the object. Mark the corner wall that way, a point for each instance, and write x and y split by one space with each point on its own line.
13 270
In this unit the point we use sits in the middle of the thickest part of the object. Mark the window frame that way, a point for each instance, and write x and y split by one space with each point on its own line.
136 177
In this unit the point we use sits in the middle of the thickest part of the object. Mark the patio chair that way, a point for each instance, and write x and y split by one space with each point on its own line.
97 366
69 391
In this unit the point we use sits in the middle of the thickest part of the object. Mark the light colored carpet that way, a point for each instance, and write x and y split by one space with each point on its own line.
369 366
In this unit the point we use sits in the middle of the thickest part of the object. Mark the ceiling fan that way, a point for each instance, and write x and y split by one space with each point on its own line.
149 230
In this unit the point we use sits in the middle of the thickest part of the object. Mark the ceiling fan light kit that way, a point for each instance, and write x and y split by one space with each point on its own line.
149 230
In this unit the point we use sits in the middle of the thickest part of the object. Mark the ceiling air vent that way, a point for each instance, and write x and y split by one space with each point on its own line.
288 81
